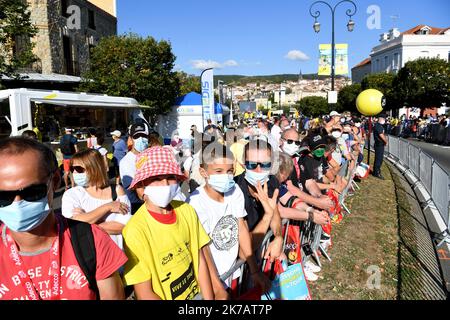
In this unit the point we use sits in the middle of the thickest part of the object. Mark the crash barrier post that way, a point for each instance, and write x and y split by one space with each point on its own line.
428 174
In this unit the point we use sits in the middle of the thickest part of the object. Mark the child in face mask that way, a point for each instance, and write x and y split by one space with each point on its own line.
164 239
221 210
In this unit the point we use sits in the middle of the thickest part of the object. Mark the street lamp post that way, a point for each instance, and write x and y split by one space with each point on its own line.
350 26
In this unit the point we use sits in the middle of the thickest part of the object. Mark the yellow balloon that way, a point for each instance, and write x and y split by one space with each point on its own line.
370 102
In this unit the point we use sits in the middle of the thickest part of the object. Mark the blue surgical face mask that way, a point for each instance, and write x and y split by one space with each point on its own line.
23 216
221 182
253 177
140 144
81 179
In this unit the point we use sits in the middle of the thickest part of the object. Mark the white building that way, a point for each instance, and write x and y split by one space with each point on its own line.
396 49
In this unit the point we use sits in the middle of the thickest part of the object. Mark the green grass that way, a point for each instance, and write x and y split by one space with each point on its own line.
367 237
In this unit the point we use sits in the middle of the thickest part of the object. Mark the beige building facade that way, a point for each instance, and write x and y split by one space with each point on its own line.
67 31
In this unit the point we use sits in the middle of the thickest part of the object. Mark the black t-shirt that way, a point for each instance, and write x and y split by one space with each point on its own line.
254 208
312 169
377 130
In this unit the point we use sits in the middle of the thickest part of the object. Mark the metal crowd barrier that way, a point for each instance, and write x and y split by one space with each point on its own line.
428 173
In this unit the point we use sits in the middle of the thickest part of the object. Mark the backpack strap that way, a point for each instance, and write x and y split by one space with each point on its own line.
114 192
82 240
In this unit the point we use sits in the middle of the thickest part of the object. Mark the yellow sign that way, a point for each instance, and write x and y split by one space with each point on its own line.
51 96
341 59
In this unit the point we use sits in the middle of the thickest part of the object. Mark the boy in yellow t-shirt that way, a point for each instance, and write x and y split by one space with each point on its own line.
163 240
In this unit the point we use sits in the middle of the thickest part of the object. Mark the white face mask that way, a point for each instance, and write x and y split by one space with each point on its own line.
290 149
336 134
161 196
358 125
382 122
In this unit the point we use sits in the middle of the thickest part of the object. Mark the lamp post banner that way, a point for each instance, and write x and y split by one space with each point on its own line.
207 80
341 57
325 60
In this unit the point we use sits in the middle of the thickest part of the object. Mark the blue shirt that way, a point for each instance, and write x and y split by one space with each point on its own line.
120 149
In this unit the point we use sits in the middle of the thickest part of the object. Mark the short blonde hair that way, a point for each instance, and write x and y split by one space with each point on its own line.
95 167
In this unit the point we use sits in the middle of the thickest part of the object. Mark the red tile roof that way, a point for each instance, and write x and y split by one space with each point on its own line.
363 63
433 30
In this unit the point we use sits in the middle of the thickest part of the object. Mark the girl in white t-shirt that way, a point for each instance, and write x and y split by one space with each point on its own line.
94 200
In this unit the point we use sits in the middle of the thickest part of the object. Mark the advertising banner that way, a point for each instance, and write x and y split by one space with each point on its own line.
341 59
207 81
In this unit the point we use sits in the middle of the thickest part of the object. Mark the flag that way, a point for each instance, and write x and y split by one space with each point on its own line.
207 81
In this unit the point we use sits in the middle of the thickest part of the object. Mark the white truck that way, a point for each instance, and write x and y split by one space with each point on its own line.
50 112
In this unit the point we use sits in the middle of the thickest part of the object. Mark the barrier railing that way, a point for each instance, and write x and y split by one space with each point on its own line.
434 179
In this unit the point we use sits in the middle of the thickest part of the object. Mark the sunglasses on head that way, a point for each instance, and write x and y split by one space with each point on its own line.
78 169
253 165
32 193
297 143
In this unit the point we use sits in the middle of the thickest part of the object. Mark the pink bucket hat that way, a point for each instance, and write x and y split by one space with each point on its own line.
154 162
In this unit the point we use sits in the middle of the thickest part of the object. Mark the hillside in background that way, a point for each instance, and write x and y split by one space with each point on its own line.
278 78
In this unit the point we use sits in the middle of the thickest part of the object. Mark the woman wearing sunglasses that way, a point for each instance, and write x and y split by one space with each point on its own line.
94 200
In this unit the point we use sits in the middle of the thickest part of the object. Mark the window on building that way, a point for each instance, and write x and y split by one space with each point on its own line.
64 5
91 16
449 56
386 64
396 61
68 56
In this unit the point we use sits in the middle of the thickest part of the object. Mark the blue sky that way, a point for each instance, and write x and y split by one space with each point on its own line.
254 37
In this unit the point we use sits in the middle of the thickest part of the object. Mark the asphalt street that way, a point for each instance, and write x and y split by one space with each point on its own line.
439 153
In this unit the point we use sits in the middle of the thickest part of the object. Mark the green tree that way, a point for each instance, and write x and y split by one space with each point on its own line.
136 67
16 31
189 83
314 106
383 82
424 83
347 98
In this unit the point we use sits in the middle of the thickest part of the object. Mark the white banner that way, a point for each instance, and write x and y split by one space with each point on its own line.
207 79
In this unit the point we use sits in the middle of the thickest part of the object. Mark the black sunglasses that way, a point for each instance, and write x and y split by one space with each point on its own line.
289 141
253 165
78 169
32 193
140 135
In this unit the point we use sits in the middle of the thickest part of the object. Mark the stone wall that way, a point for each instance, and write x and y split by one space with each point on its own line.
46 14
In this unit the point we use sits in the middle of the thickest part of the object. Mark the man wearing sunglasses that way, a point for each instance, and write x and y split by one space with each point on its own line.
37 260
291 145
261 197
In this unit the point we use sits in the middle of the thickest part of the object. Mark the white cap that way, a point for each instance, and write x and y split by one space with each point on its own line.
68 130
116 133
334 114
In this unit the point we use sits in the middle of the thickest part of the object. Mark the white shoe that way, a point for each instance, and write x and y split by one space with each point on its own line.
310 276
312 266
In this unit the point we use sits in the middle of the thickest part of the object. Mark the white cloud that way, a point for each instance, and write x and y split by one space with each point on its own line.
205 64
230 63
296 55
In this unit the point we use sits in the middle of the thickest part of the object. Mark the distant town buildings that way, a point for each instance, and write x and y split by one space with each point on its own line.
267 95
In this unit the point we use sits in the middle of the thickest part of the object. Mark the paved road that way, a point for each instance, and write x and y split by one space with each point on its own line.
439 153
